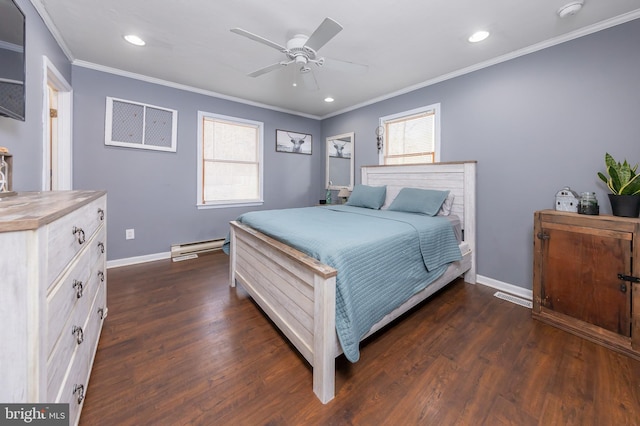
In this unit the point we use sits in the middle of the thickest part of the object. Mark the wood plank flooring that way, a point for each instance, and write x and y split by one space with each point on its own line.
179 347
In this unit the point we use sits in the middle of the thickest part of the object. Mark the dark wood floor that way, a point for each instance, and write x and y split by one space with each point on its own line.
181 347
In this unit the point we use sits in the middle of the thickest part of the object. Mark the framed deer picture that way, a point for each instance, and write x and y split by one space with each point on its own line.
297 143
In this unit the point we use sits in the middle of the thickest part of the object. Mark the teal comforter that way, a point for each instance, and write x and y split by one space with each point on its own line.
382 257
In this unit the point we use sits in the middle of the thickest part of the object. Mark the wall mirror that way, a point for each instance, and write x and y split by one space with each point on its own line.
339 173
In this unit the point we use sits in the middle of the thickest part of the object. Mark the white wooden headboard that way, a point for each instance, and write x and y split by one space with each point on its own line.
457 177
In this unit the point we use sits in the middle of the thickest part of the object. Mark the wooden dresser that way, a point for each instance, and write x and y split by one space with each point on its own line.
585 277
53 295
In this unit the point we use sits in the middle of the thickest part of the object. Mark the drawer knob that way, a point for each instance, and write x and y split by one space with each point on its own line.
77 331
100 214
77 285
79 233
101 276
79 389
101 313
101 247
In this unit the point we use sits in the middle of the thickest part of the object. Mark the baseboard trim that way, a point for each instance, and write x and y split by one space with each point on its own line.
507 288
138 259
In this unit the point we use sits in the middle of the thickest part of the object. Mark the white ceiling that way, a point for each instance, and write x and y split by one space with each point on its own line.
405 43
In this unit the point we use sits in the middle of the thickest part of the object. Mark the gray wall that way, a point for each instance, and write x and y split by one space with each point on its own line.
155 192
534 124
25 139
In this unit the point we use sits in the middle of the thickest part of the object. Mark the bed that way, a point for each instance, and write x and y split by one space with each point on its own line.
298 292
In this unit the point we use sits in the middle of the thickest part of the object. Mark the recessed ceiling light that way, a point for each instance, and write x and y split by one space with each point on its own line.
134 39
329 99
478 36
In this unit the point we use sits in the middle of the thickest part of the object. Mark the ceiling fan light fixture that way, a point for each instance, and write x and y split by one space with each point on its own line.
478 36
135 40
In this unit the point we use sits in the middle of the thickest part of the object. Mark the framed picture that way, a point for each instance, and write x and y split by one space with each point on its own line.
340 148
297 143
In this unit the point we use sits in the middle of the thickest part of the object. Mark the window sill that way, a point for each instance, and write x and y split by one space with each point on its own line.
228 205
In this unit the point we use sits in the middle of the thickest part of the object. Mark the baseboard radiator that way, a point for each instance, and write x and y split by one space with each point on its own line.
191 250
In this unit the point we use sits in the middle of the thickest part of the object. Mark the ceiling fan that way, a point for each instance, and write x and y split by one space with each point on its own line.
303 52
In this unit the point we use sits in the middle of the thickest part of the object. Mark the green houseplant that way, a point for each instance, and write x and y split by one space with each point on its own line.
624 184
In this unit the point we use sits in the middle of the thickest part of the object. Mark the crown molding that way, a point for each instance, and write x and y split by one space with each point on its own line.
44 15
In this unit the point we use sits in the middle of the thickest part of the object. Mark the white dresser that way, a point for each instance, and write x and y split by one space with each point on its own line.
52 295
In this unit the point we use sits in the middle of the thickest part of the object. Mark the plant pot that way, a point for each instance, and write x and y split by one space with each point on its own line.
625 205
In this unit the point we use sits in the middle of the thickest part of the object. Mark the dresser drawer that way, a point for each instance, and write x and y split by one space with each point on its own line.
69 234
76 286
97 315
74 388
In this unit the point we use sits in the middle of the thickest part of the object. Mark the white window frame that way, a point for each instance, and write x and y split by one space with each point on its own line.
108 138
221 204
436 124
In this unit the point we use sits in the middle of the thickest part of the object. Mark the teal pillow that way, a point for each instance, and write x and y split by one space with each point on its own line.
414 200
370 197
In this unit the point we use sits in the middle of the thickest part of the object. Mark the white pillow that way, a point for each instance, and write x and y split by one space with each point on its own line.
445 209
392 193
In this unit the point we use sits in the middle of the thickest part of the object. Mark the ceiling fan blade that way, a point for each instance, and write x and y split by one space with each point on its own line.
345 66
267 69
259 39
327 30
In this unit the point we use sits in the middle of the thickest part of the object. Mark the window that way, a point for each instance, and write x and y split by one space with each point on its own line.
229 161
411 136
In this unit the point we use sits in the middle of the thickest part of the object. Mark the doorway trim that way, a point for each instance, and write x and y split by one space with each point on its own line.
64 161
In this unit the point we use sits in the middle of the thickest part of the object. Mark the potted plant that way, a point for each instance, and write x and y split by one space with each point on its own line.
624 184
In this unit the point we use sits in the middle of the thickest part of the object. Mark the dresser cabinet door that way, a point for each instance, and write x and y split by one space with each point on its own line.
580 268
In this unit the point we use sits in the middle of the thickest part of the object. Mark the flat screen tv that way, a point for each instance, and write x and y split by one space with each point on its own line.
12 60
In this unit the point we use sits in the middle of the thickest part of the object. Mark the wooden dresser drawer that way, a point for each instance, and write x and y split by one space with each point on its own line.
74 388
75 287
69 234
59 365
97 314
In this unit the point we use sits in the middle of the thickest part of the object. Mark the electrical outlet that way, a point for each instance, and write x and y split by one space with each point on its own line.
130 234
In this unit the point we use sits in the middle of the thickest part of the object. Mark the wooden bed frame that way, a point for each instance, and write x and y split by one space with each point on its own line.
298 292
